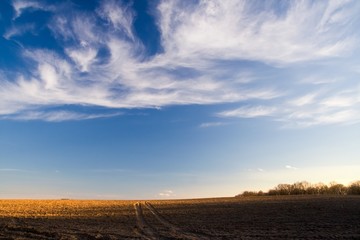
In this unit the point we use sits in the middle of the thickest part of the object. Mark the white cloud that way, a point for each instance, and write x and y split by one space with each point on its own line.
249 112
83 57
107 171
167 194
48 75
211 124
341 116
340 101
304 100
291 167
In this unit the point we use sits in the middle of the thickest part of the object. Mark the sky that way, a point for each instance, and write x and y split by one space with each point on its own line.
176 99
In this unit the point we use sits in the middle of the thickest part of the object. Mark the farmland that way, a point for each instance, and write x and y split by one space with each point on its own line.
259 217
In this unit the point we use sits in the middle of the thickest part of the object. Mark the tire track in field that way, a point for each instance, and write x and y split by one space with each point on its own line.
145 230
178 232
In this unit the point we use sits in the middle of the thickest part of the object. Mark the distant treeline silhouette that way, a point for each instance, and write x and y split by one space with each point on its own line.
302 188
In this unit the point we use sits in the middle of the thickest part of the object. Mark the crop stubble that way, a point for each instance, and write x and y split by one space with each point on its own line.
277 217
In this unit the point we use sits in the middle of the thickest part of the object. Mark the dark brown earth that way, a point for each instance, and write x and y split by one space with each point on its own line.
265 217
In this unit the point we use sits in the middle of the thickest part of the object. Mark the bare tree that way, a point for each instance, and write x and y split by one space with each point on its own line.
308 188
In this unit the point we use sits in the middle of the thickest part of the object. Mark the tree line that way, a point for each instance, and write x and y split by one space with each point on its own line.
303 188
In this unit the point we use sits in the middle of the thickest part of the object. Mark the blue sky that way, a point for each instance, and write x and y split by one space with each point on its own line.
176 99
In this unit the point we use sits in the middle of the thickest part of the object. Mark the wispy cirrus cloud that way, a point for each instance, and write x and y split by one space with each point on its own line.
244 30
304 100
20 6
120 16
328 106
57 116
18 31
212 52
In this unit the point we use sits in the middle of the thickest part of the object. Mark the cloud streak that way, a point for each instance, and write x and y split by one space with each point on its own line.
12 170
249 112
211 124
57 116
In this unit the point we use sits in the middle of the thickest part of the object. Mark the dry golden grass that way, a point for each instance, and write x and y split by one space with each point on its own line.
63 208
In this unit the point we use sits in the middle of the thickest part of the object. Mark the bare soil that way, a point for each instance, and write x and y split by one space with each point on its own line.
265 217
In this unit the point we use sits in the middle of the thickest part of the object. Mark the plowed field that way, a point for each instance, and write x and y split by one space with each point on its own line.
277 217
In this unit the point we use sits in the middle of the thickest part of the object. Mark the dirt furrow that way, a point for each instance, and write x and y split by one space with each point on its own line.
16 231
175 229
146 231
